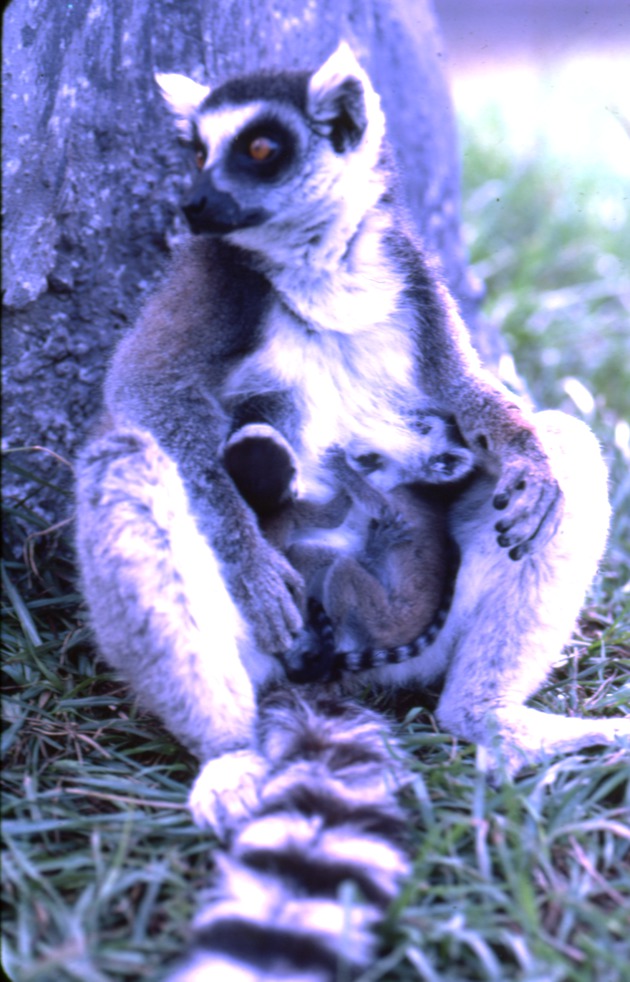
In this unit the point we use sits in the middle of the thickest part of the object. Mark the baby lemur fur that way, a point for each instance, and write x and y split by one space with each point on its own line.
382 591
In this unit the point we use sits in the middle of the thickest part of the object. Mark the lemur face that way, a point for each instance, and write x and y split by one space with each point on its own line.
250 159
284 150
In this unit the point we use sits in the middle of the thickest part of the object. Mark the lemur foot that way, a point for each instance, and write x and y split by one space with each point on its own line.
226 790
519 736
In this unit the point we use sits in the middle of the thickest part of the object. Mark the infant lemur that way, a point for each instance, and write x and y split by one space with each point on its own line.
385 577
304 297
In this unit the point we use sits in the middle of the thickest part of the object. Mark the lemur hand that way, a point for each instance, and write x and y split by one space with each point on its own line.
269 592
529 495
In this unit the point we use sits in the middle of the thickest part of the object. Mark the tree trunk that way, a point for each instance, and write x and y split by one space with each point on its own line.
93 173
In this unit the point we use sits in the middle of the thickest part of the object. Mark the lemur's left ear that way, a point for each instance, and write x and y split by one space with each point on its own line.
340 97
183 97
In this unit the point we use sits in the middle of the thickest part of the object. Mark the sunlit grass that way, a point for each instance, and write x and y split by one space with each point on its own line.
528 881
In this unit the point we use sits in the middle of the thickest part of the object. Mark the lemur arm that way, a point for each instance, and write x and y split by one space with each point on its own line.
491 421
321 515
374 503
159 381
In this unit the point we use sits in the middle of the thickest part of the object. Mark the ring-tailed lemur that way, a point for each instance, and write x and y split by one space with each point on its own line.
385 574
303 287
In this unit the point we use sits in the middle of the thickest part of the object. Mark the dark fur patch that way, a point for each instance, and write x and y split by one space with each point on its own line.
313 799
262 470
284 87
320 873
242 295
266 947
341 756
264 407
350 119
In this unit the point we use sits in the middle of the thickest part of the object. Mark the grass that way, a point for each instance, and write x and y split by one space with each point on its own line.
528 881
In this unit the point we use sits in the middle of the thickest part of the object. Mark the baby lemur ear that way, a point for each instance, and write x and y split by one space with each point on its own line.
183 96
339 98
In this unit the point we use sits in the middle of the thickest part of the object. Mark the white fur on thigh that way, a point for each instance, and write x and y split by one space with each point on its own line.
160 608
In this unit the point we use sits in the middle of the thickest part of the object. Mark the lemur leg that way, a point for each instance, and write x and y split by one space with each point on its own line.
160 609
509 620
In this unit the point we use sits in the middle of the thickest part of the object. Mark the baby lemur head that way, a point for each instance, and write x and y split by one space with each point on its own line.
283 157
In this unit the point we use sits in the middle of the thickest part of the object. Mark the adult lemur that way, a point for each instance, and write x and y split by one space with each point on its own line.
305 293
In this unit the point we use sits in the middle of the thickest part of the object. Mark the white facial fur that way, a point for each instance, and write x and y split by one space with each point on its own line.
216 130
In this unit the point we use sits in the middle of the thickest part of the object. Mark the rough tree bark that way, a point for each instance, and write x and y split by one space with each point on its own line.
93 174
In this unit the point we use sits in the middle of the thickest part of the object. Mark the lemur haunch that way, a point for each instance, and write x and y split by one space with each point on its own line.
385 576
303 289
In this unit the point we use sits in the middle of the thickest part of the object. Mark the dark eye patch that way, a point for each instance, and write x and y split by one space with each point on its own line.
370 462
246 159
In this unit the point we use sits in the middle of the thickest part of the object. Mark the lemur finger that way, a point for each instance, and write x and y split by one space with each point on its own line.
526 527
513 480
276 625
528 494
292 579
530 507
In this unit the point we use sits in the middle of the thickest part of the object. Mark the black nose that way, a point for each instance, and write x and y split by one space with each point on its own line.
217 212
209 210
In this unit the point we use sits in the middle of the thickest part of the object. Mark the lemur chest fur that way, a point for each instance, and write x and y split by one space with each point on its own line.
342 347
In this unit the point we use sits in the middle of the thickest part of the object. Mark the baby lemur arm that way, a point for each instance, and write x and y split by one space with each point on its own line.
373 502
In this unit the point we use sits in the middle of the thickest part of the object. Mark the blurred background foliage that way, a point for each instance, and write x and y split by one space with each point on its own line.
552 247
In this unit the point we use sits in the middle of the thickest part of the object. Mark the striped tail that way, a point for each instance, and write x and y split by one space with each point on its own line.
322 663
310 875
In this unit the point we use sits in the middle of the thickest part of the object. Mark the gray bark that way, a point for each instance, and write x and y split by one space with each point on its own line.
93 174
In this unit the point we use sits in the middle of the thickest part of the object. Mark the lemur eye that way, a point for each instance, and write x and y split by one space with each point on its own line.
200 157
262 148
370 462
262 151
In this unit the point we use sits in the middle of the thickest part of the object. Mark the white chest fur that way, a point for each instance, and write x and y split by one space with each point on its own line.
354 389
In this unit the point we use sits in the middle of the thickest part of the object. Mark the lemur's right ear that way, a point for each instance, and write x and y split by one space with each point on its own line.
183 97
